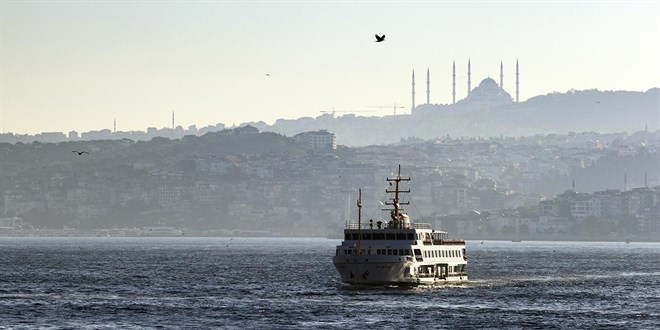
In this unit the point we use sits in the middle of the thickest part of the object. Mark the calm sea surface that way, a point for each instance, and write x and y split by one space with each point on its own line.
290 283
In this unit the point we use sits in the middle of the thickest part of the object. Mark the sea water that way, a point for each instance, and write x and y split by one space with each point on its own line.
290 283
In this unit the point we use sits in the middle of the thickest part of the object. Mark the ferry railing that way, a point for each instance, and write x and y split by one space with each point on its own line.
414 225
448 242
421 225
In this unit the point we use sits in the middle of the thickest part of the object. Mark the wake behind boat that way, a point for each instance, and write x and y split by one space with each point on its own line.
399 252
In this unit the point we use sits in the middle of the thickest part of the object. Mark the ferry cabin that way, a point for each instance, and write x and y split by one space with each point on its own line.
413 255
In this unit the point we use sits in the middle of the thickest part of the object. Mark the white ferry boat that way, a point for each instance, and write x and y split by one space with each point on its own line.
162 232
399 252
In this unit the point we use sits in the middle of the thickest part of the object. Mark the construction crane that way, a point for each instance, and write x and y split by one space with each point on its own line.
386 106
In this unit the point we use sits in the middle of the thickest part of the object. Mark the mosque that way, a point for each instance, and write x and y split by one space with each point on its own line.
488 94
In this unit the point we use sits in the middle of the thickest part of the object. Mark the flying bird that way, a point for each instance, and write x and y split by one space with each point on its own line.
267 74
81 152
379 38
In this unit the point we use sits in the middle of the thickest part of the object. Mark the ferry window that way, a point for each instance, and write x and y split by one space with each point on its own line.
401 236
389 236
395 252
418 252
389 252
337 253
407 252
378 236
366 237
347 236
401 252
410 236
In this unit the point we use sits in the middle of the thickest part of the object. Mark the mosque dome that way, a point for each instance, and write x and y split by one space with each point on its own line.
489 92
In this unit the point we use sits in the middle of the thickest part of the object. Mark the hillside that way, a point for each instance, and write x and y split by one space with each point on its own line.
555 113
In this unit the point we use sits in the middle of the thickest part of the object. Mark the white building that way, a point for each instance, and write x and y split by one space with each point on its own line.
321 139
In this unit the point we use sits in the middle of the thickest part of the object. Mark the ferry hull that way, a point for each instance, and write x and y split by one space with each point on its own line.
393 273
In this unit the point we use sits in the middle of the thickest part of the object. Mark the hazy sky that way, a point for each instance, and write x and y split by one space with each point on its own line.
77 65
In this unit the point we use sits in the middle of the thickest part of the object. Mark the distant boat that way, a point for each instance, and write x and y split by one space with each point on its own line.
162 232
516 240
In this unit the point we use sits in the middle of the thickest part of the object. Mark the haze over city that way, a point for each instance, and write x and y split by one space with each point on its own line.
81 65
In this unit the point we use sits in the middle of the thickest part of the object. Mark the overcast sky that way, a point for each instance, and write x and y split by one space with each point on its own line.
77 65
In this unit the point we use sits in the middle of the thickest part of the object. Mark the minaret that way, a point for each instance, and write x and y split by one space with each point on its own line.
173 120
469 76
517 82
114 126
625 180
413 91
501 75
453 82
428 86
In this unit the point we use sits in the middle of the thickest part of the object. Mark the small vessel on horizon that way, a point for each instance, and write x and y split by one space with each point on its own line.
399 252
162 232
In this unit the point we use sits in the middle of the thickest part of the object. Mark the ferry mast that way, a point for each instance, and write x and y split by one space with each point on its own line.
397 217
359 205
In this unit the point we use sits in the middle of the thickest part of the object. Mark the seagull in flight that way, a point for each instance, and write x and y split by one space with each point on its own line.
81 152
380 38
267 74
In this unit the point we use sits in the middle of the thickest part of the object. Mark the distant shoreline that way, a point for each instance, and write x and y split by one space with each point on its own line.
101 233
